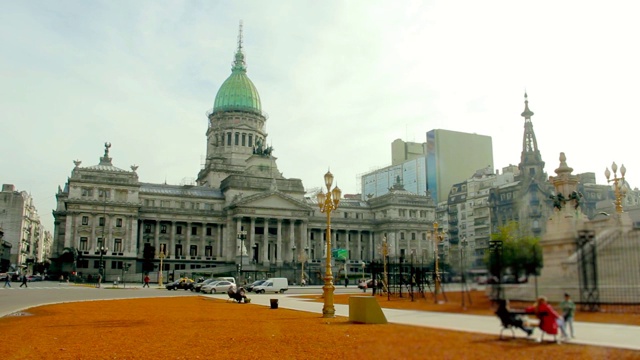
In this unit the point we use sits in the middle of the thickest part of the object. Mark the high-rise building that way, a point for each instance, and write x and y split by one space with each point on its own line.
22 228
454 156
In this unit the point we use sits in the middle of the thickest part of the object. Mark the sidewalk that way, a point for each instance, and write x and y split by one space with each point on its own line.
608 335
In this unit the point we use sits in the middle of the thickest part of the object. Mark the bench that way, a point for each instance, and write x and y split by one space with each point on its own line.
365 310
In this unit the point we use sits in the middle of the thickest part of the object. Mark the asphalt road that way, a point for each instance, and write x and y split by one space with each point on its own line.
16 299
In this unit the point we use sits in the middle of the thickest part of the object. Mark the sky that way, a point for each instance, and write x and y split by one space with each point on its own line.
340 80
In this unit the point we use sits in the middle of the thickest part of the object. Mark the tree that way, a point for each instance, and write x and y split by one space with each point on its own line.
521 255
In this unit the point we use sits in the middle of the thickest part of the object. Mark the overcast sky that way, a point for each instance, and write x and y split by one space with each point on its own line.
340 81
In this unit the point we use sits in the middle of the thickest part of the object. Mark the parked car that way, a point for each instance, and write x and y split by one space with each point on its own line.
183 283
217 287
198 286
250 287
34 278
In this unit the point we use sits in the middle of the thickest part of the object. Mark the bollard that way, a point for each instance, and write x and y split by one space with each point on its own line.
274 303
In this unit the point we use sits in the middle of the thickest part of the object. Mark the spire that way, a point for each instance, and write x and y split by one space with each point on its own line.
239 65
531 164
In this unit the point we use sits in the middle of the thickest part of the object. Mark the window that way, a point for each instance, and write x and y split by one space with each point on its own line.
401 236
424 236
82 264
101 221
208 251
229 139
244 139
84 244
96 264
346 215
178 251
116 264
98 244
87 192
119 222
194 230
193 250
237 139
208 231
179 230
163 229
85 220
104 193
117 245
250 140
147 228
413 236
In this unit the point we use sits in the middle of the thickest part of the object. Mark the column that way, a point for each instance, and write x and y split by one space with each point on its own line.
108 223
187 250
156 237
94 240
347 244
172 240
238 229
359 247
278 251
219 242
265 243
74 238
203 228
141 238
292 240
252 238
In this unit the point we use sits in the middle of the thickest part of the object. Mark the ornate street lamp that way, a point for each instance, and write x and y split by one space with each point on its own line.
103 251
242 236
438 237
161 255
327 203
618 184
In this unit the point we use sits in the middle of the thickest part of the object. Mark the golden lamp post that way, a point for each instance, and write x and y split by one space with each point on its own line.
327 203
437 238
161 256
618 184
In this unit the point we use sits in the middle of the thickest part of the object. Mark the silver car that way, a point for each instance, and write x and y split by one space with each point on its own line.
217 287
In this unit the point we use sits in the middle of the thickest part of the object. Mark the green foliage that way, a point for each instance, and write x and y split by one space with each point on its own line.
521 255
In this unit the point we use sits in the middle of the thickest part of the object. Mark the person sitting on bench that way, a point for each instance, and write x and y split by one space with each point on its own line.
511 317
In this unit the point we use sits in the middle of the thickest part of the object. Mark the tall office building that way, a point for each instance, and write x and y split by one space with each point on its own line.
453 157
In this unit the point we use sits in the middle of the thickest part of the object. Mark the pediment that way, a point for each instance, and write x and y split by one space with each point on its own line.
273 200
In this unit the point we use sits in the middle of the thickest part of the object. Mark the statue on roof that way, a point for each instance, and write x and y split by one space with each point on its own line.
107 145
558 201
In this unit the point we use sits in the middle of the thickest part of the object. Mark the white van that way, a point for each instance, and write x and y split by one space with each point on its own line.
272 285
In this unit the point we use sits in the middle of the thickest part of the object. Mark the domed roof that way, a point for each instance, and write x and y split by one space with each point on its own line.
238 93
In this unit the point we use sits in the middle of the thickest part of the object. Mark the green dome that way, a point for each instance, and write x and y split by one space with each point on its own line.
238 93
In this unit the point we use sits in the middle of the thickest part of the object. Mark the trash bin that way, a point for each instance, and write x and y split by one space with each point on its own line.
274 303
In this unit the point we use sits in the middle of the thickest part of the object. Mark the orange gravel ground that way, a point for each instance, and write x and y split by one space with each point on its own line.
210 328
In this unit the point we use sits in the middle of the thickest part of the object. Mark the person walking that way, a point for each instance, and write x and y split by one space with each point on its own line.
7 280
24 280
146 281
346 281
99 280
568 308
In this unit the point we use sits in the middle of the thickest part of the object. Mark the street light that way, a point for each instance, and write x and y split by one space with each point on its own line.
437 238
103 251
161 255
242 236
618 184
327 203
463 259
303 259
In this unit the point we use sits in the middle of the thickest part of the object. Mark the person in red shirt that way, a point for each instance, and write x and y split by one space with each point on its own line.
547 316
146 281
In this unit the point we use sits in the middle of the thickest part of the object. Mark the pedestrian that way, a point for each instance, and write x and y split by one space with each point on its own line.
61 278
146 281
303 282
7 280
99 280
568 308
550 320
24 280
